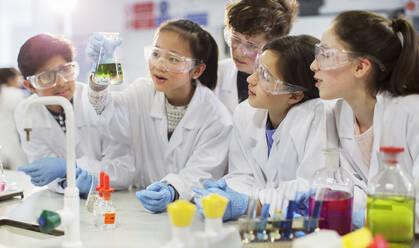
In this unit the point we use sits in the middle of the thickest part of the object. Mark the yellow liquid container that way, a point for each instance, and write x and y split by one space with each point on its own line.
391 202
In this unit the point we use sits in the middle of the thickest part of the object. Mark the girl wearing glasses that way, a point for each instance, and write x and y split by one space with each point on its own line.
370 64
47 64
249 25
178 128
277 133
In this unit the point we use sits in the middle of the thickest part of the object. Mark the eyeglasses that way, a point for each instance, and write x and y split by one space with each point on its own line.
330 59
271 83
250 49
170 61
48 79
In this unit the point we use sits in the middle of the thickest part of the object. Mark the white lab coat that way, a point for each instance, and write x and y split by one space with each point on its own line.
94 150
197 149
11 153
395 123
226 89
295 154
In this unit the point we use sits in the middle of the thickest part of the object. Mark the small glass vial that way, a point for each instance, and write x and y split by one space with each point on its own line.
105 212
106 215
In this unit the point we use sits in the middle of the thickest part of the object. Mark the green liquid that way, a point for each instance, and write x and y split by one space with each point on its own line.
109 73
393 217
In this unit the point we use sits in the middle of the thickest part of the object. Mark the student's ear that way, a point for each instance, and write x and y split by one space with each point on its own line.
362 68
198 70
29 86
296 97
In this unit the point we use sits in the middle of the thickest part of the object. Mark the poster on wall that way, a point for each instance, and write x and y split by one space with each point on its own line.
411 7
146 15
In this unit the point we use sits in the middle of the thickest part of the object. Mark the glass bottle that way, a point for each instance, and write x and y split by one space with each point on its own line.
391 201
105 212
331 199
108 68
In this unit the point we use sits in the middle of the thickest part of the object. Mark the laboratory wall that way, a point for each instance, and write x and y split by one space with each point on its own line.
136 21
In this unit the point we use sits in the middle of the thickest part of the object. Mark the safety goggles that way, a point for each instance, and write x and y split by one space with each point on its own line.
250 49
330 59
170 61
48 79
271 83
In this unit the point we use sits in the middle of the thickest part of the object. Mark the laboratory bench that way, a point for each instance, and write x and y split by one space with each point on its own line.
136 227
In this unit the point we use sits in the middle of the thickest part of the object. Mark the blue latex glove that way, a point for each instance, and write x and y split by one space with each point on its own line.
237 202
221 184
358 217
83 181
45 170
98 41
156 196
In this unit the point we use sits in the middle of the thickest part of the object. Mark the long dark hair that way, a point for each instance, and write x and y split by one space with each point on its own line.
295 54
393 42
202 44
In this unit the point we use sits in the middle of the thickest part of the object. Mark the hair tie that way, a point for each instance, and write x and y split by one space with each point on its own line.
400 36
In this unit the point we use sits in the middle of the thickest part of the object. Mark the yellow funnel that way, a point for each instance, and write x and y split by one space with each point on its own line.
181 213
360 238
214 206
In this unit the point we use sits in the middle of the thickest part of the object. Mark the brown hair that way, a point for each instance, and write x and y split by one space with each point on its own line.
370 34
295 55
202 45
36 51
6 74
253 17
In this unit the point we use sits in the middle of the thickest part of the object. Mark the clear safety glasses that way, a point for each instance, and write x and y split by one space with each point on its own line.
330 59
250 49
170 61
272 84
48 79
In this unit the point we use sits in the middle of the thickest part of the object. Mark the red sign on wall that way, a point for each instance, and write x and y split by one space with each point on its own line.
140 16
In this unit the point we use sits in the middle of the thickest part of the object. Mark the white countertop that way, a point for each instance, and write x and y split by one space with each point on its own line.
136 226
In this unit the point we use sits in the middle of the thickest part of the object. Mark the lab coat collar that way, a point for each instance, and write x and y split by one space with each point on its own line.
232 78
191 119
259 147
378 122
158 109
346 130
346 121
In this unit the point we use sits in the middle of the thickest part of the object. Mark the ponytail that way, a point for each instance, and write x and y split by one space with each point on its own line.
405 76
209 76
393 43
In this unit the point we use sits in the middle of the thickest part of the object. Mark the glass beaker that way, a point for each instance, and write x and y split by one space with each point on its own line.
93 194
331 199
108 68
391 201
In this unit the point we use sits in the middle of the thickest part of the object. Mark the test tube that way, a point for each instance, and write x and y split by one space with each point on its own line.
275 217
313 218
3 182
251 215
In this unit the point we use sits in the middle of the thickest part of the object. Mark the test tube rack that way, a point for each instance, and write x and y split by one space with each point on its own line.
266 233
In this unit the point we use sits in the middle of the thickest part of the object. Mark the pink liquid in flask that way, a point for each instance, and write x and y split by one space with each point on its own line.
336 211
